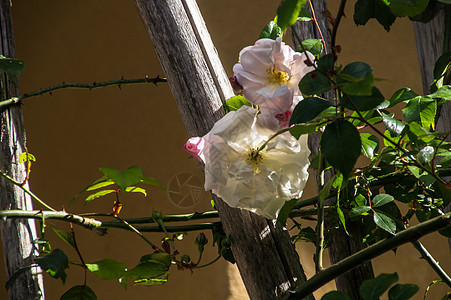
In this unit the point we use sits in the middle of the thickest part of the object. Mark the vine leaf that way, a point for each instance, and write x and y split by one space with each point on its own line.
372 289
79 292
288 12
382 199
314 83
98 195
65 236
370 144
285 211
341 145
308 109
107 269
364 102
385 222
271 31
125 178
313 46
335 295
408 8
11 66
421 110
378 9
402 291
54 264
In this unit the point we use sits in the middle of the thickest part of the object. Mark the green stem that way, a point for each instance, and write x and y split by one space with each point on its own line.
320 223
169 218
89 86
411 234
206 265
340 14
36 198
432 262
272 137
132 228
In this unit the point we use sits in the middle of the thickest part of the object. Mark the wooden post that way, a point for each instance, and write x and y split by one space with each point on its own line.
341 245
265 256
429 38
17 235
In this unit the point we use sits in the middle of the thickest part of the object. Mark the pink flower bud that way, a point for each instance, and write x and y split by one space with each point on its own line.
194 146
284 119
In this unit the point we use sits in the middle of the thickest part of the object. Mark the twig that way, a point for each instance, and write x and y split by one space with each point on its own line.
89 86
411 234
432 262
340 14
320 224
19 184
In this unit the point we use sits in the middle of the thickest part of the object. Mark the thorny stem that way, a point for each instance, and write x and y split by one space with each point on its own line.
320 224
432 262
19 184
78 252
317 26
340 14
136 231
89 86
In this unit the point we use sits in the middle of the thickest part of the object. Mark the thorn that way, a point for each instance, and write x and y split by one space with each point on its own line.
122 78
94 83
50 93
119 86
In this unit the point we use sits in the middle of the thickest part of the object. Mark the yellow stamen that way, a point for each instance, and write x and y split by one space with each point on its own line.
254 159
277 77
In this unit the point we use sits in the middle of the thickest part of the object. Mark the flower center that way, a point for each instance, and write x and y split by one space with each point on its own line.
277 77
254 159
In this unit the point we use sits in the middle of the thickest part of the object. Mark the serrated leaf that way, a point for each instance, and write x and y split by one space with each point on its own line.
335 295
341 218
358 211
370 144
125 178
26 157
385 222
363 103
444 92
314 83
340 145
146 270
107 269
99 185
356 79
304 15
442 65
79 292
65 236
308 109
306 234
285 211
54 264
402 95
421 110
372 289
98 195
153 182
288 12
160 257
135 189
409 8
313 46
160 280
10 65
271 31
382 199
402 291
378 9
395 127
300 129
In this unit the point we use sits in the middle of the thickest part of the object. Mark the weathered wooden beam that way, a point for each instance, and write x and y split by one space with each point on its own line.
265 256
341 245
17 235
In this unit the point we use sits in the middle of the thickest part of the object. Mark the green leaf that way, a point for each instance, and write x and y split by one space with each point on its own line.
426 154
335 295
421 110
288 12
125 178
359 210
99 185
363 103
341 145
444 92
385 222
326 63
372 289
306 234
378 9
11 66
285 211
304 15
402 291
402 95
341 217
356 79
314 83
421 174
161 257
409 8
370 144
271 31
54 264
98 195
395 127
107 269
300 129
153 182
308 109
135 189
79 292
26 157
382 199
65 236
147 270
313 46
442 65
160 280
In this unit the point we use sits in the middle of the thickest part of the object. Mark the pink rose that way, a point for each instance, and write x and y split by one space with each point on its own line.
195 146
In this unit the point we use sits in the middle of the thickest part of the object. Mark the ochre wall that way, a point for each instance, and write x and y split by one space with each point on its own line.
72 133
